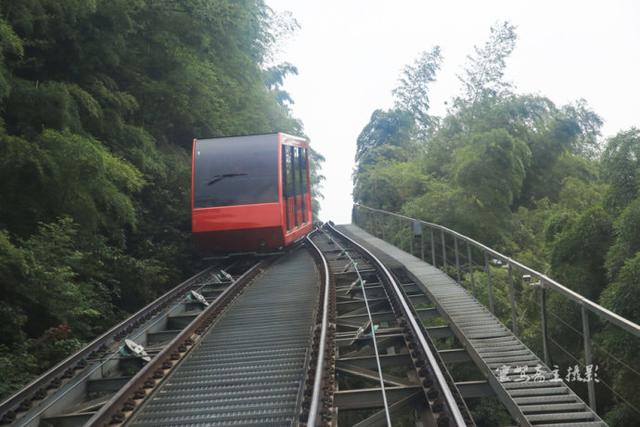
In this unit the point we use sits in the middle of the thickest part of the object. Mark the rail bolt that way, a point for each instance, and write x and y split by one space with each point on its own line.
8 418
443 421
24 405
117 418
54 384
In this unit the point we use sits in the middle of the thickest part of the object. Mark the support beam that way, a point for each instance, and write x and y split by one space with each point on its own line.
372 375
369 362
379 418
371 397
381 316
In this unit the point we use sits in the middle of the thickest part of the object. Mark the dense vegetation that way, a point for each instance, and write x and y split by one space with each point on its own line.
99 102
530 178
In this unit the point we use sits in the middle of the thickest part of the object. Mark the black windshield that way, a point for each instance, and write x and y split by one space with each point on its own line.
236 171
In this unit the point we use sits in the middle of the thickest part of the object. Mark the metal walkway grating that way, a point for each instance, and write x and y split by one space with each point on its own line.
491 345
249 368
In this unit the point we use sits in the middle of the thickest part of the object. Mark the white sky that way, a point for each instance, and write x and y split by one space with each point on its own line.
350 53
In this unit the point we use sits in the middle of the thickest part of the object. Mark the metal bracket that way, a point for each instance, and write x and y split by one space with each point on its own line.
364 332
226 275
194 296
132 349
354 286
526 278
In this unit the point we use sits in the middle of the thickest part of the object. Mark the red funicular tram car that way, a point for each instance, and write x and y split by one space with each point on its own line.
250 193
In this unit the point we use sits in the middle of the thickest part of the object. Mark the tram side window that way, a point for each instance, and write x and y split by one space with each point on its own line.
299 184
294 154
291 171
289 185
303 165
296 185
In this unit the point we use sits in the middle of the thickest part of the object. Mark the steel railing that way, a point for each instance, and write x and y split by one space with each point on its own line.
441 247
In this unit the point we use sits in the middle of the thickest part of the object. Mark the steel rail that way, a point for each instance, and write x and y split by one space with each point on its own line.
373 334
78 381
546 281
112 411
98 344
433 362
316 395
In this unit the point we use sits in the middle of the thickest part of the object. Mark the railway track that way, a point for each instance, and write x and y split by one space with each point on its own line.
386 370
70 393
321 335
243 361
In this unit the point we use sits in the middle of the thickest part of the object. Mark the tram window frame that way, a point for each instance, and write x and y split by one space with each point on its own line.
301 172
305 172
294 189
285 185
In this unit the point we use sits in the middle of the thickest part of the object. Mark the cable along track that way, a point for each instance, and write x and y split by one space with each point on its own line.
387 370
70 393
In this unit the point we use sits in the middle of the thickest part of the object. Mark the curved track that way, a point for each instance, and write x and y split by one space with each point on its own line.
387 370
322 335
243 361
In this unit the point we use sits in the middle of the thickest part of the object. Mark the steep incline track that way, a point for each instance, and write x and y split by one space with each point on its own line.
387 371
249 368
491 345
72 392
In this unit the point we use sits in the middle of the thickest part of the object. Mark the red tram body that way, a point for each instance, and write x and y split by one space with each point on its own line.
250 193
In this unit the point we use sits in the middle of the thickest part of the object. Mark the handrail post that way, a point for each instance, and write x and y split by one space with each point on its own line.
455 245
411 238
470 262
487 268
418 226
382 227
588 358
543 323
512 300
433 247
444 250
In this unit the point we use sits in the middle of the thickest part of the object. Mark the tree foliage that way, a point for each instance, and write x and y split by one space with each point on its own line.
99 102
412 94
483 76
536 181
